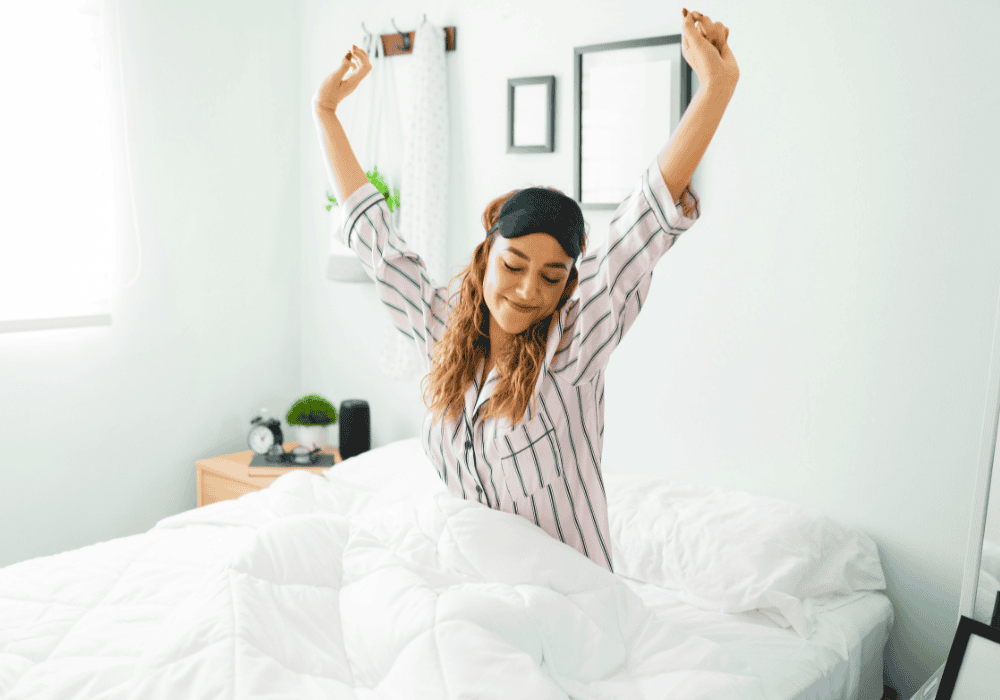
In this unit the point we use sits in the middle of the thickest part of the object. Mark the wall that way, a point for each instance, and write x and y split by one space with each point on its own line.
101 427
823 333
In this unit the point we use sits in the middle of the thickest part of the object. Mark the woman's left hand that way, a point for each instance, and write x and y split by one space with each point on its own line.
705 47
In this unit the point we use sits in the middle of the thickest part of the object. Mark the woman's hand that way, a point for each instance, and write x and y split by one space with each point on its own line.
705 48
336 87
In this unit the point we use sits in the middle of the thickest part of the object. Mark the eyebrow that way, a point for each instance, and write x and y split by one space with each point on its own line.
551 264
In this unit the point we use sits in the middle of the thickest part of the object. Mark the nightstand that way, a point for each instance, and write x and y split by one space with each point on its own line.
228 476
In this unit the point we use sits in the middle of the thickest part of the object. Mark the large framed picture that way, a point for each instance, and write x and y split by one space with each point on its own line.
973 667
629 97
531 114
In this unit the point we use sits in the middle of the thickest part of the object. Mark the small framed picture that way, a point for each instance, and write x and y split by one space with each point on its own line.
531 114
629 97
973 667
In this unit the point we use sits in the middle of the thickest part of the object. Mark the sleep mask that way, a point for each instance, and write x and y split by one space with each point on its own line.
539 210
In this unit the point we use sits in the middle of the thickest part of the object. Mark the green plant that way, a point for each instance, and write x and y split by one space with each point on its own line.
376 179
311 409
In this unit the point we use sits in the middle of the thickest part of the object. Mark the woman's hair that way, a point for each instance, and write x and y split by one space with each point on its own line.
465 341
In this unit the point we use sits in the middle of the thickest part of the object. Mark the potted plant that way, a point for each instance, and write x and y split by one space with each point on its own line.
311 415
375 179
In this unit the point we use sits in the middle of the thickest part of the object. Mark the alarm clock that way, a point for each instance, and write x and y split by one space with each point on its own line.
265 437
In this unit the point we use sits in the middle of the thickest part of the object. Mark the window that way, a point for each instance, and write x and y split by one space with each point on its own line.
57 193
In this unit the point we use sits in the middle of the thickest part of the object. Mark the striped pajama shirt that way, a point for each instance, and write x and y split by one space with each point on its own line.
547 467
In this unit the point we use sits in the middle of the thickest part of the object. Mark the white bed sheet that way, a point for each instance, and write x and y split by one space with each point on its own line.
842 660
74 625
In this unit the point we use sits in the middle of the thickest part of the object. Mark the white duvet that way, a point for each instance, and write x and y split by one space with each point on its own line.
369 581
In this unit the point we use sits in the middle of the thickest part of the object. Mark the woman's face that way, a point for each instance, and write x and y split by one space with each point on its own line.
528 271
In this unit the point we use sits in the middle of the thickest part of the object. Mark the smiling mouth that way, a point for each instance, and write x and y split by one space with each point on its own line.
519 307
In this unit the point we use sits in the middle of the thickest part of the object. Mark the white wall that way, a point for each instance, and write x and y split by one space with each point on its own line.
823 333
101 427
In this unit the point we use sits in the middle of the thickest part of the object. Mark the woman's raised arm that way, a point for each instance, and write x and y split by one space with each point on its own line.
706 49
348 172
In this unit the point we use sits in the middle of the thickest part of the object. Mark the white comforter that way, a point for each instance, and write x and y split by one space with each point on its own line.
369 581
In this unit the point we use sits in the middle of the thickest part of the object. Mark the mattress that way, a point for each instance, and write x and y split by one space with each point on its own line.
169 612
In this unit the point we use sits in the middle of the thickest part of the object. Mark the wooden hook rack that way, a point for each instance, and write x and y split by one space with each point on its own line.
392 44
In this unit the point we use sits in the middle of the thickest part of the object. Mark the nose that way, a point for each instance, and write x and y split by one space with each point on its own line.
526 293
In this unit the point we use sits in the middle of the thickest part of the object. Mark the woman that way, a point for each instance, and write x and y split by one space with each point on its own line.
517 355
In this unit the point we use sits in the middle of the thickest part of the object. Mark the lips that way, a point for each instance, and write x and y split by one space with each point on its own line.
521 308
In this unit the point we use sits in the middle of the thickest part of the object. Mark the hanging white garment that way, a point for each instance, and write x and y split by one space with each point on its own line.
424 225
383 148
424 214
425 161
399 358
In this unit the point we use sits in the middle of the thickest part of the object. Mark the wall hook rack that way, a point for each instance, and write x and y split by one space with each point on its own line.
402 42
406 37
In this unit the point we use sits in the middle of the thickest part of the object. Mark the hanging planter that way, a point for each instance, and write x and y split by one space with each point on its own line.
375 179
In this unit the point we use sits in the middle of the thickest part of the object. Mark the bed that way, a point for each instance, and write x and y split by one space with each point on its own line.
371 581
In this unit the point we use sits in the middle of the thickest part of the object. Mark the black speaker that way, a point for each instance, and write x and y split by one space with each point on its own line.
355 428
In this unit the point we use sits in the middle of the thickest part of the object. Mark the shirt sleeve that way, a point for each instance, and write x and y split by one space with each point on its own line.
615 279
416 304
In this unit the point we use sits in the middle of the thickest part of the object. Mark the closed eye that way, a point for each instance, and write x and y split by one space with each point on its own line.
518 269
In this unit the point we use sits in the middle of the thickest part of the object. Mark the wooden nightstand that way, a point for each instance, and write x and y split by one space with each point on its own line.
228 476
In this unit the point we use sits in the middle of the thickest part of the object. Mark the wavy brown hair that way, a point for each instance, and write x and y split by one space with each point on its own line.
466 341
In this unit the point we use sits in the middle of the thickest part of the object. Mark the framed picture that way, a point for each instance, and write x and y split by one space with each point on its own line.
531 114
629 97
973 667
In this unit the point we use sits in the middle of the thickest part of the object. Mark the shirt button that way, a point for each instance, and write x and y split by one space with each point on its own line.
468 444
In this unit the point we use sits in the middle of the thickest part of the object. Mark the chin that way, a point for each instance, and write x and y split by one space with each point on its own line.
509 318
512 326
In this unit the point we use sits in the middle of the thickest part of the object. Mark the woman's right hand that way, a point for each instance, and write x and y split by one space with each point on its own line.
705 46
336 87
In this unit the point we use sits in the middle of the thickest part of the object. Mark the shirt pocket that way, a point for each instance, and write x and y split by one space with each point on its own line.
530 459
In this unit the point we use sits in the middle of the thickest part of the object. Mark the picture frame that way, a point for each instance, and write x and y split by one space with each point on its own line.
973 667
623 93
531 114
